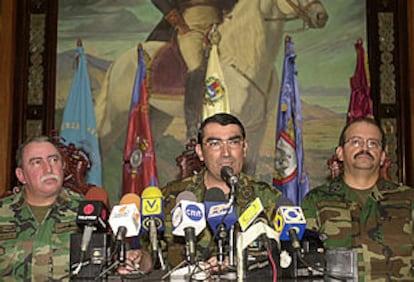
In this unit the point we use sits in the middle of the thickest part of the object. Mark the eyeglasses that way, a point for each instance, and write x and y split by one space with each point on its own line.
358 142
217 144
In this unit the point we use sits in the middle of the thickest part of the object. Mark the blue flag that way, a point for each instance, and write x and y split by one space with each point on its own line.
289 174
79 123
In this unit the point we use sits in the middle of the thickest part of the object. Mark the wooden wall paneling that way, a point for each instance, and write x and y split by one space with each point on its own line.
409 144
35 69
7 62
386 23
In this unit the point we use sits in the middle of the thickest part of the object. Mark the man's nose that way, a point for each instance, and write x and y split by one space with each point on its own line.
225 149
48 166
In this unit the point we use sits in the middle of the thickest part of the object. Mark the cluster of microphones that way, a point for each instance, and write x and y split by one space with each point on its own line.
95 253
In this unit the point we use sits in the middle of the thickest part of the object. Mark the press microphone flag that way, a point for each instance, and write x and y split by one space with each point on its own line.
250 214
152 208
287 219
218 210
127 215
93 210
188 214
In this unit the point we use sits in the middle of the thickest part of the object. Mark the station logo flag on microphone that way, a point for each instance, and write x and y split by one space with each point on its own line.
360 104
289 174
78 121
139 169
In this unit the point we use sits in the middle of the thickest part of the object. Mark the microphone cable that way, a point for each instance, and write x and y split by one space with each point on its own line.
272 262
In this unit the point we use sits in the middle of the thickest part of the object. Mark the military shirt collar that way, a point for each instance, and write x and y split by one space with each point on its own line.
62 200
199 188
383 186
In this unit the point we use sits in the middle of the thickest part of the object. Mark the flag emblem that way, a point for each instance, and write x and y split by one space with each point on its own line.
214 90
286 163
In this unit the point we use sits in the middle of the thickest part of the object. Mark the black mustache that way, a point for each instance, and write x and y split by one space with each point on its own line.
364 152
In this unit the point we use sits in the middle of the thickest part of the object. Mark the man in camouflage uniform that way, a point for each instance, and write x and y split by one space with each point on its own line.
221 142
363 212
36 224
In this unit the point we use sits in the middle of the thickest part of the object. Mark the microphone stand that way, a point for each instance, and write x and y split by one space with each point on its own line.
222 234
120 249
231 231
119 261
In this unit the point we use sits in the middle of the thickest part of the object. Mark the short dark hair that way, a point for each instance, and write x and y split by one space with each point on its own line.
369 120
222 119
34 139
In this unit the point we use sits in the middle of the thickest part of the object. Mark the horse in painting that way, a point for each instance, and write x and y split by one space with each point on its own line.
251 38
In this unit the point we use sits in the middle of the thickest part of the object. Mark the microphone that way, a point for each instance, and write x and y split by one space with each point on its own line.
126 215
92 214
290 222
250 214
228 176
221 217
218 210
188 220
152 213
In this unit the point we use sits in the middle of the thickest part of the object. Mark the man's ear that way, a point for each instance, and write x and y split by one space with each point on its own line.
245 146
20 175
199 152
339 151
383 157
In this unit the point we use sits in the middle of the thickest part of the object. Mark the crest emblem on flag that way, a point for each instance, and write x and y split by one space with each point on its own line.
286 163
214 90
289 174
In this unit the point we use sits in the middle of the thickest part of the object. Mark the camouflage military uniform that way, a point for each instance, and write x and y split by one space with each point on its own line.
247 191
30 251
379 228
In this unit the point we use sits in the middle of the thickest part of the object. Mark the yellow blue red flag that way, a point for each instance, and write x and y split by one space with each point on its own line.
216 98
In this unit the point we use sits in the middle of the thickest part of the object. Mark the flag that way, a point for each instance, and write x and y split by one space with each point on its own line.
289 174
216 99
139 168
360 104
78 122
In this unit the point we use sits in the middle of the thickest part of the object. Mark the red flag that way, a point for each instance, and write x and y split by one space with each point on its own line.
360 104
139 169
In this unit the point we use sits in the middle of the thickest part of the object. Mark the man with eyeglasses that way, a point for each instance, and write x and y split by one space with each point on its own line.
221 142
361 214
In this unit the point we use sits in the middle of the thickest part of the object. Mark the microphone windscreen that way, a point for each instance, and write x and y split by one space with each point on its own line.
151 192
214 194
226 172
97 194
186 195
131 198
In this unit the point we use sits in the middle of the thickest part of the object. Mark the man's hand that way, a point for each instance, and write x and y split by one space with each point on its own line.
212 265
136 260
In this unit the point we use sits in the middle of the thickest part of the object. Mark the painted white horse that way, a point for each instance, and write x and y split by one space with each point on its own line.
251 37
